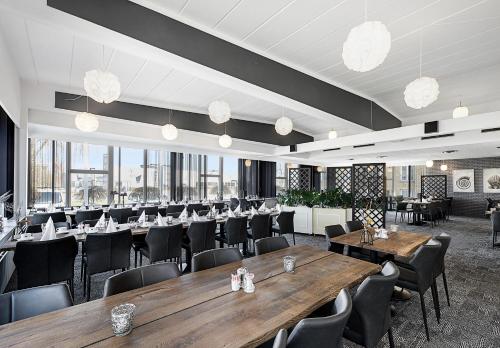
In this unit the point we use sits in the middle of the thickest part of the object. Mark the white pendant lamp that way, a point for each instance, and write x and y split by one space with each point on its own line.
332 134
225 141
102 86
429 163
423 91
460 111
283 125
366 46
444 167
169 131
85 121
219 111
248 163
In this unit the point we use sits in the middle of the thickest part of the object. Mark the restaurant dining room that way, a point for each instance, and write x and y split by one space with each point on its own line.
250 173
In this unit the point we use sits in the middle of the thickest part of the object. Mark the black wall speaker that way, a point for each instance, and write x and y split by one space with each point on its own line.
431 127
293 148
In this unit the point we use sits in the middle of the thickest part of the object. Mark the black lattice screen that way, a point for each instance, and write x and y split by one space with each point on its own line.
299 178
434 185
368 186
342 178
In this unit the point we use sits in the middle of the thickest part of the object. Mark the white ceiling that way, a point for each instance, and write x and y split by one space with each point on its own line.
459 36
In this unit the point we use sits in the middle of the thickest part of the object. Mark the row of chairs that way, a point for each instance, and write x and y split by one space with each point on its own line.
432 212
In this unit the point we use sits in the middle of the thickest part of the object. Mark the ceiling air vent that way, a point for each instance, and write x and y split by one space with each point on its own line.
490 130
364 145
438 136
334 149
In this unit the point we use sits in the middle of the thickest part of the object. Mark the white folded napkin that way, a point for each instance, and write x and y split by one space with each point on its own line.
195 216
230 213
160 220
50 231
238 209
184 214
262 207
278 208
111 226
142 218
82 207
101 222
214 210
254 211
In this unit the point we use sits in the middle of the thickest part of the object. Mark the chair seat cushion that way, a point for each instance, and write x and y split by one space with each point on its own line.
138 245
144 251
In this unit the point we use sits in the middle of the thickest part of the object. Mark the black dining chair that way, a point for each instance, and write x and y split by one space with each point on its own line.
358 253
203 212
33 229
27 303
148 210
418 275
163 243
121 214
495 227
194 207
42 218
45 262
401 209
323 332
82 215
267 245
370 319
439 267
234 232
331 232
140 277
215 257
233 203
260 227
175 208
105 252
280 339
244 204
285 224
219 206
200 236
353 226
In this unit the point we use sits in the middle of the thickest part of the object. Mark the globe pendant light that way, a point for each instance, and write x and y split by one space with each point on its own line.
460 111
444 167
429 163
225 140
423 91
366 46
283 125
332 134
101 85
248 163
169 131
85 121
219 111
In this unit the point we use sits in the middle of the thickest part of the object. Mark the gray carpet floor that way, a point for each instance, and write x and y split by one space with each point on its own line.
473 272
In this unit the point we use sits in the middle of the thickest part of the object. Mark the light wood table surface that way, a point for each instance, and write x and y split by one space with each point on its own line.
199 309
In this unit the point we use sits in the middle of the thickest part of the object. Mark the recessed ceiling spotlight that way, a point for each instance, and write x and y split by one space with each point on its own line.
381 156
498 147
450 151
350 159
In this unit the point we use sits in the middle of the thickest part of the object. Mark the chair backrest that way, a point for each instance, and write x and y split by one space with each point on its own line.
244 204
42 218
34 228
151 210
354 226
423 261
194 206
261 226
26 303
121 214
280 339
202 212
175 208
215 257
45 262
371 314
219 206
269 244
202 235
108 251
140 277
164 242
233 203
285 221
91 223
64 224
401 206
495 221
82 215
236 230
331 232
323 332
444 239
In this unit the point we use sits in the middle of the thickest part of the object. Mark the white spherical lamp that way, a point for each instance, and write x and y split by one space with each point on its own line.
248 163
421 92
169 132
429 163
225 141
86 122
366 46
219 111
332 134
460 111
102 86
444 167
283 125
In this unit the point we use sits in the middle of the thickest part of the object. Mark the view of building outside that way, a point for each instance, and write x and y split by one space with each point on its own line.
281 177
40 173
230 174
404 181
132 174
212 176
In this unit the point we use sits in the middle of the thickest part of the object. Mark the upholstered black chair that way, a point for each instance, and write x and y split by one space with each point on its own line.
324 332
495 227
42 218
280 339
260 227
233 203
331 232
33 228
121 214
215 257
163 243
370 319
353 226
285 223
200 237
82 215
358 253
418 275
194 207
45 262
244 204
175 208
234 232
203 212
140 277
91 223
150 210
401 209
105 252
267 245
439 267
219 206
27 303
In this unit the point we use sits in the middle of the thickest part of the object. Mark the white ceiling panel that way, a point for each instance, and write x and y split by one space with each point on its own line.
147 77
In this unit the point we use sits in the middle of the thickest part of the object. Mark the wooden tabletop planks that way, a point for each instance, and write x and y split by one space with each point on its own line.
90 322
400 243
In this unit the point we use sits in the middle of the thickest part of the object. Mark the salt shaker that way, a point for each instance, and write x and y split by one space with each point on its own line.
249 286
241 273
235 282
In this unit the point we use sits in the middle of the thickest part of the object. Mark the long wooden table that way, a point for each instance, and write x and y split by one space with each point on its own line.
199 309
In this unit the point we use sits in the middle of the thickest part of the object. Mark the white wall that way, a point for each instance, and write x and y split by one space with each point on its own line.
10 85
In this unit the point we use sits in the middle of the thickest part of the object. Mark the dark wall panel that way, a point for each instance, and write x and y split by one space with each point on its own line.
7 130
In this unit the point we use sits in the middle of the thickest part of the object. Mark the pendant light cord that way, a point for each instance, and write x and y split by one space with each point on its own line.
366 10
87 104
420 55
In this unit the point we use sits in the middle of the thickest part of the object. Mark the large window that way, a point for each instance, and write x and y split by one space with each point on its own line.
153 176
132 174
281 174
212 166
230 174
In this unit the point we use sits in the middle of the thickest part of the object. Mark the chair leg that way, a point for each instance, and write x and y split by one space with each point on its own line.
435 300
135 259
140 260
81 269
293 234
391 338
424 315
445 283
84 280
396 217
88 288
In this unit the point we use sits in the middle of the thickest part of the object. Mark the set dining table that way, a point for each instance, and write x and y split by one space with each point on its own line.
200 309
